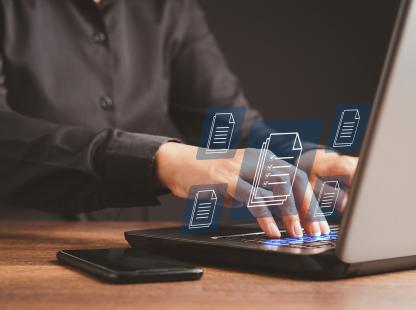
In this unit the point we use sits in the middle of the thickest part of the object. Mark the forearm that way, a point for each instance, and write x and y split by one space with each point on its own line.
67 169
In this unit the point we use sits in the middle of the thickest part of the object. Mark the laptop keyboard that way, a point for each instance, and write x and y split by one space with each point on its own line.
305 242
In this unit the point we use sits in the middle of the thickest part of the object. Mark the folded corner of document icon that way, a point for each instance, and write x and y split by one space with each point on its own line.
203 209
327 199
276 170
221 133
347 128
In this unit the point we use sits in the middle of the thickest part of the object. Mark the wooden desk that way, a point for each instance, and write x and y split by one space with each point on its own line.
30 279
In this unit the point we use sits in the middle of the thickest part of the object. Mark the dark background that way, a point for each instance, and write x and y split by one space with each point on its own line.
299 58
296 59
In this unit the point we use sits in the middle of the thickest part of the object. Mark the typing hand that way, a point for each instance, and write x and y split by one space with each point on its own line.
327 164
178 169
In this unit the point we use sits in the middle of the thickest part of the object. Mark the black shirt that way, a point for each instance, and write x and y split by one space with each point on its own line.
88 94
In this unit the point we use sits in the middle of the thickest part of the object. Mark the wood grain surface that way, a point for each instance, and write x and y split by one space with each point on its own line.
30 278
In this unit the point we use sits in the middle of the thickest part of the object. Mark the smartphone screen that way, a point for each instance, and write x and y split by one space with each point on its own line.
129 265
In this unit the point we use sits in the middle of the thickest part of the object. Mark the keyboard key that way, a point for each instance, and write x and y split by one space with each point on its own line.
306 242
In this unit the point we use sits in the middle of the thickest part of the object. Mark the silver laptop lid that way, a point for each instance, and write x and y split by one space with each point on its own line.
380 220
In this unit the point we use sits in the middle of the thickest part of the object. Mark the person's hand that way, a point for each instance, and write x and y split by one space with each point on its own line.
178 169
327 164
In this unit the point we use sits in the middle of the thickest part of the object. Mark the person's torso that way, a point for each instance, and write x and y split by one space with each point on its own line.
71 62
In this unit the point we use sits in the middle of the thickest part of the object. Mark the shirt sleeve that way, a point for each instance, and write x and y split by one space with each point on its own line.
68 169
200 76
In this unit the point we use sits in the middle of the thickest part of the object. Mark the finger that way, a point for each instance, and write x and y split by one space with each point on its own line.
318 219
313 228
241 191
269 226
344 202
292 225
261 213
289 216
303 192
265 218
323 225
322 184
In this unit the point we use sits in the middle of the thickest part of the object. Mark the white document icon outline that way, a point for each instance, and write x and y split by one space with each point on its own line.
327 200
203 210
347 129
218 134
274 200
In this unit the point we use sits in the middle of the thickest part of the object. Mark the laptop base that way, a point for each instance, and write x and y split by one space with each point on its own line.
208 249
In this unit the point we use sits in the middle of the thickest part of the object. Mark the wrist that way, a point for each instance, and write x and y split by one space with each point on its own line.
163 156
171 161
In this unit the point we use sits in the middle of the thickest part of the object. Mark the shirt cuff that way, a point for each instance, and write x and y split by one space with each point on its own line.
126 167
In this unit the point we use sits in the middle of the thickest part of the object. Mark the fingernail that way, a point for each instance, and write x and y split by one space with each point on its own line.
297 229
273 230
325 228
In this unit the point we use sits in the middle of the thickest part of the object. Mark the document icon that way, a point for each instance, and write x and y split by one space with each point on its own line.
203 209
221 133
328 196
347 128
274 171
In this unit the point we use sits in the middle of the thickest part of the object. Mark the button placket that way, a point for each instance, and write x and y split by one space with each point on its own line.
99 37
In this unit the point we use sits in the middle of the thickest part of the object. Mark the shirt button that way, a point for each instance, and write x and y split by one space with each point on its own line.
99 37
106 103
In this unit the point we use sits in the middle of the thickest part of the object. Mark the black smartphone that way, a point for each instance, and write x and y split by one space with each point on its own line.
129 265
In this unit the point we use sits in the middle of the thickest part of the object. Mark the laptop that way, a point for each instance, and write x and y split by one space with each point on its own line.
377 231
